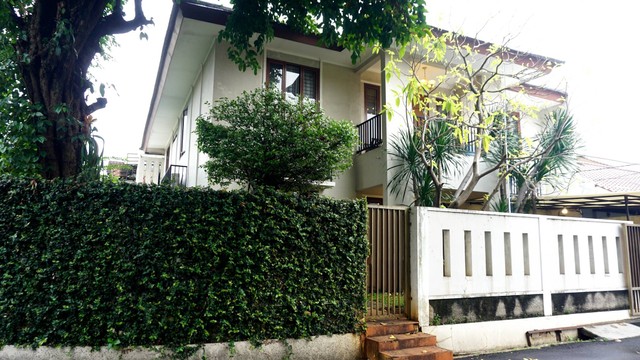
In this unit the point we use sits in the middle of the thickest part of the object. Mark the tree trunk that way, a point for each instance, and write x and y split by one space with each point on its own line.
56 43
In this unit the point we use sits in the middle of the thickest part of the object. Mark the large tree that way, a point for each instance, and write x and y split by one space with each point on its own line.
55 42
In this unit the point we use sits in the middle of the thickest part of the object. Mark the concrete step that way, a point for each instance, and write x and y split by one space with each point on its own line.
391 327
418 353
613 331
377 344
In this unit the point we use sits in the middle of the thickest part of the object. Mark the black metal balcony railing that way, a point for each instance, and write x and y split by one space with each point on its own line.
176 175
370 134
470 145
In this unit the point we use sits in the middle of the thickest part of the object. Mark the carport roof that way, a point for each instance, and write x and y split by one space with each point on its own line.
618 202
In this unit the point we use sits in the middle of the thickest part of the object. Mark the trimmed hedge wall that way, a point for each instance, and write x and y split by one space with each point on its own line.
98 264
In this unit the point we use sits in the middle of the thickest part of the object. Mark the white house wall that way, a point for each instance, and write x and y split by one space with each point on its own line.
341 98
192 82
195 109
399 121
205 102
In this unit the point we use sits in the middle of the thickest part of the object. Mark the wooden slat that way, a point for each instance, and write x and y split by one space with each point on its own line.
387 266
632 242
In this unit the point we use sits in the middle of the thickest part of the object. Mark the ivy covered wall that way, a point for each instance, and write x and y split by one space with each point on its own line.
97 264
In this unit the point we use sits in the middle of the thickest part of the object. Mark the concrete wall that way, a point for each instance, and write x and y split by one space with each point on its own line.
509 334
336 347
471 266
150 167
369 169
341 99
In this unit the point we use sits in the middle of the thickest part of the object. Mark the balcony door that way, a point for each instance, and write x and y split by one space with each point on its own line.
371 100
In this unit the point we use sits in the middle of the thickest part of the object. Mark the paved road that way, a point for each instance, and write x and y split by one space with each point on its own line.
626 349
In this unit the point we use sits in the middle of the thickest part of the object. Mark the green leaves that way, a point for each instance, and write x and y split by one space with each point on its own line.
353 25
264 139
104 264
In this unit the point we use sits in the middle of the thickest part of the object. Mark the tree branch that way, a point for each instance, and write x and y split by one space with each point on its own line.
100 103
116 24
493 168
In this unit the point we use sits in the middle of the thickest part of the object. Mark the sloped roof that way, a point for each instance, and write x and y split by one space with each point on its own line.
610 175
619 181
192 29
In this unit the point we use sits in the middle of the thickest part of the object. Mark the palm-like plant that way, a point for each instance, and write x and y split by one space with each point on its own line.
424 157
558 141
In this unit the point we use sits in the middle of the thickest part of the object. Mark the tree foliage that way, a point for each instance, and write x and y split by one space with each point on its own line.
52 44
21 124
479 99
426 169
262 138
353 25
551 155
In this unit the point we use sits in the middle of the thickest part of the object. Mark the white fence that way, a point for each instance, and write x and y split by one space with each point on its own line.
466 255
150 169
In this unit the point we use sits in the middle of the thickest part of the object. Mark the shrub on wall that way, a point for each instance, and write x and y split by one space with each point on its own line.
117 264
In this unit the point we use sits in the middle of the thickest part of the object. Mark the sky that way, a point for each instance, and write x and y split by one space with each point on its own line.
595 39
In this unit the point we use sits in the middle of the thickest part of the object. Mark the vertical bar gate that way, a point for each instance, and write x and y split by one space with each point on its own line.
632 233
388 294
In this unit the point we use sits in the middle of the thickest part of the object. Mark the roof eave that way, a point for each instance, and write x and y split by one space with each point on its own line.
159 75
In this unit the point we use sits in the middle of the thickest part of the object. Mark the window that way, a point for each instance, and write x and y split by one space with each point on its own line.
183 131
294 80
371 100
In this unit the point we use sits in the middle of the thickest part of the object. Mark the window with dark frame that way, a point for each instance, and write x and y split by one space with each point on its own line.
183 132
371 100
294 80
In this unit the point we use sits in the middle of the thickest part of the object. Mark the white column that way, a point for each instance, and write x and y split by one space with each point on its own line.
391 126
419 269
547 266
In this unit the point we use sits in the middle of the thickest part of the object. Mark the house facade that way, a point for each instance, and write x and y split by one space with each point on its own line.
195 72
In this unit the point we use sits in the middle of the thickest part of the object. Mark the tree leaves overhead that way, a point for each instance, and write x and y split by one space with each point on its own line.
353 25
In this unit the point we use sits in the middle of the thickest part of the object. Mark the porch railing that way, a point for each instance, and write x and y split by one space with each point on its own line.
470 145
176 175
370 134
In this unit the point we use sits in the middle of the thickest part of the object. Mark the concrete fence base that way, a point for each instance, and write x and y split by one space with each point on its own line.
488 336
336 347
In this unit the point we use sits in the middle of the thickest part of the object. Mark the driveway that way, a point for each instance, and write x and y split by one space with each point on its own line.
625 349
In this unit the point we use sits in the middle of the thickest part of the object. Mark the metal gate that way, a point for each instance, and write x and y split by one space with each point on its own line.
388 294
632 241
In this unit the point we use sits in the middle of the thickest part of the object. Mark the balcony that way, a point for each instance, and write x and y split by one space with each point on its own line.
176 175
370 134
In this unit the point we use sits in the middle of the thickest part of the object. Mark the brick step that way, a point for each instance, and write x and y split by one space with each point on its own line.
418 353
391 327
376 344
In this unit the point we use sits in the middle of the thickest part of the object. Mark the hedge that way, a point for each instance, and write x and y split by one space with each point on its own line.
97 264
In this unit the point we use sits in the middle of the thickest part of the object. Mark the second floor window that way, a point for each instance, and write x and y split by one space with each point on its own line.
183 132
294 80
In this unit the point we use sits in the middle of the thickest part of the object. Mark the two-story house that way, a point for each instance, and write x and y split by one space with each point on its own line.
195 71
